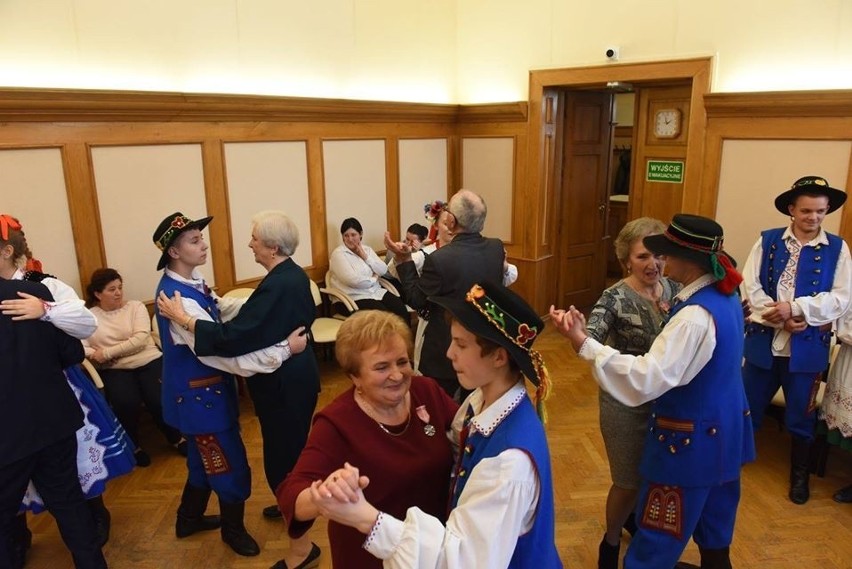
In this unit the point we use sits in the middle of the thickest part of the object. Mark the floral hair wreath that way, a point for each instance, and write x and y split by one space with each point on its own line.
433 210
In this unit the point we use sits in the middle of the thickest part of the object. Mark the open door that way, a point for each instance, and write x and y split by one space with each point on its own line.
586 153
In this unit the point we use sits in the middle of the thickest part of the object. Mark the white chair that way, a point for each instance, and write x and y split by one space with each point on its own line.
339 300
324 329
239 292
155 331
93 373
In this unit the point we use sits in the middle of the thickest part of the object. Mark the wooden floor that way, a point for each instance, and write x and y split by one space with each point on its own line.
771 531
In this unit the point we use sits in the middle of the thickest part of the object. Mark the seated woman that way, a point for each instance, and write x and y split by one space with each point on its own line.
502 512
390 423
354 268
127 359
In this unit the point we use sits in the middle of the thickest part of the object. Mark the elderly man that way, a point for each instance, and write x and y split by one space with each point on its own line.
701 433
450 271
797 280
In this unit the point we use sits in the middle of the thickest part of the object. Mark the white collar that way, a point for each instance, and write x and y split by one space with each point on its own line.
820 239
196 279
695 286
490 418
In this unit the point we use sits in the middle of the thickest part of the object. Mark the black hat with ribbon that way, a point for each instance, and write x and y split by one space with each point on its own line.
697 239
169 229
494 312
810 186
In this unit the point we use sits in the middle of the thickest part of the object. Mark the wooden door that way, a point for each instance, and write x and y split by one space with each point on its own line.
586 144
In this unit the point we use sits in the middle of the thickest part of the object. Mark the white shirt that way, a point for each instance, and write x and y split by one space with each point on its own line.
265 360
356 277
419 257
497 506
818 310
682 349
68 312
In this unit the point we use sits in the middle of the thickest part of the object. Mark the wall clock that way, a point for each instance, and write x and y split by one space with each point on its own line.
667 123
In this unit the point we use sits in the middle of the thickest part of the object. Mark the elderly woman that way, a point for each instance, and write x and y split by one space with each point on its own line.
127 359
284 399
354 268
628 316
390 423
100 458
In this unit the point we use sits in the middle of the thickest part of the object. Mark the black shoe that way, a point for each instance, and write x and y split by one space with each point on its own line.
142 458
271 512
630 524
799 471
844 495
608 554
310 562
102 526
185 527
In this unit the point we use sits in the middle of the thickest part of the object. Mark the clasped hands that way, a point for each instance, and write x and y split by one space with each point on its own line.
782 313
570 323
340 497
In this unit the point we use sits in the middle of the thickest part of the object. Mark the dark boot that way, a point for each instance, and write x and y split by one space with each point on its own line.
630 524
799 463
608 554
102 519
234 531
190 514
22 540
715 558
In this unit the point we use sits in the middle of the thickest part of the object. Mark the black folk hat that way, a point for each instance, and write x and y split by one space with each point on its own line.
700 240
494 312
169 229
810 186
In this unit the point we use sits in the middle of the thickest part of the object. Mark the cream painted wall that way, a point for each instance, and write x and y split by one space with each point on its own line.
463 51
754 172
487 170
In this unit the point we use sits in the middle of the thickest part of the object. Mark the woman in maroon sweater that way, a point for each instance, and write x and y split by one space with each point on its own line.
392 425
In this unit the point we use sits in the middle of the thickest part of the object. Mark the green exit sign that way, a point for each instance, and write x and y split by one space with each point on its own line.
669 171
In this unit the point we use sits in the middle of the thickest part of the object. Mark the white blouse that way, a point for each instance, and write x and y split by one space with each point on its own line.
356 277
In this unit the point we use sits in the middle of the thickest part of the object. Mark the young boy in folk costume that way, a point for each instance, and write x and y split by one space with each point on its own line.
502 494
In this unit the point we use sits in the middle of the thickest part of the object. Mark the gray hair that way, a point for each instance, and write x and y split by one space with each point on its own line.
633 230
274 229
469 210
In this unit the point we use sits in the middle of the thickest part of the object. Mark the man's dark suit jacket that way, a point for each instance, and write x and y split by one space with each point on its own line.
37 406
452 270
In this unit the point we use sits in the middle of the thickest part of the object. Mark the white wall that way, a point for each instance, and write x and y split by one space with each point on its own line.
464 51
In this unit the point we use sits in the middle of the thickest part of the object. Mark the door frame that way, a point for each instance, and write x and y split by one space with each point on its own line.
540 238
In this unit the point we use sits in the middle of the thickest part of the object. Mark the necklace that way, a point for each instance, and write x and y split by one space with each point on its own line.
370 411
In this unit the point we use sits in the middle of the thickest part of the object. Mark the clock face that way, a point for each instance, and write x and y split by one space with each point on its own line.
667 123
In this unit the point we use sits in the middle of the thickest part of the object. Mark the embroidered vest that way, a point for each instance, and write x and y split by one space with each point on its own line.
522 430
197 398
814 274
701 433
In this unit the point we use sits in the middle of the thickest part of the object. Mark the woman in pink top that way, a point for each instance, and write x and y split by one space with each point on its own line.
127 359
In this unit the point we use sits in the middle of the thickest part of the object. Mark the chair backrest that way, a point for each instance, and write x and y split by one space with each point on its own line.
315 292
240 292
155 332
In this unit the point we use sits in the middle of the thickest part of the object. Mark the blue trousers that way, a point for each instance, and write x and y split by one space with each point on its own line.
799 392
707 514
217 461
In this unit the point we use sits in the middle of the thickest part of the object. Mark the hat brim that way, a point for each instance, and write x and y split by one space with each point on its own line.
661 245
197 224
836 198
478 324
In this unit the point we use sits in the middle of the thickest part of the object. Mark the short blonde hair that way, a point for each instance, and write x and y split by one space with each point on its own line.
274 229
633 230
364 330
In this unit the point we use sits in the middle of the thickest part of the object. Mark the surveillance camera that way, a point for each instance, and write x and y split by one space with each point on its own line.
611 53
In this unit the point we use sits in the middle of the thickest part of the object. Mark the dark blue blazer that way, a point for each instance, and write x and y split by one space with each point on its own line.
37 406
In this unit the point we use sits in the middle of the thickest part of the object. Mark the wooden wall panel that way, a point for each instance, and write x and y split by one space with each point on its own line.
137 187
262 176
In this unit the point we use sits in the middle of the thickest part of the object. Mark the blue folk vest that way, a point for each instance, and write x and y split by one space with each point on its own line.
197 399
814 274
701 433
522 430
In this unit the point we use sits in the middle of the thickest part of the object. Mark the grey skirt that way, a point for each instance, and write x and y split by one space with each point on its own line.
624 430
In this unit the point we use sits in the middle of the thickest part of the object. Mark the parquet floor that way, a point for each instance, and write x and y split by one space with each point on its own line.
772 533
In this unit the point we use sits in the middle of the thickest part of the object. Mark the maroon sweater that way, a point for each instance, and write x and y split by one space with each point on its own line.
411 469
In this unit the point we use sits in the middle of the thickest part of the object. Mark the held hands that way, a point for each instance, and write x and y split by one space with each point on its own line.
171 308
401 251
297 339
98 356
570 323
340 498
28 307
778 312
795 325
